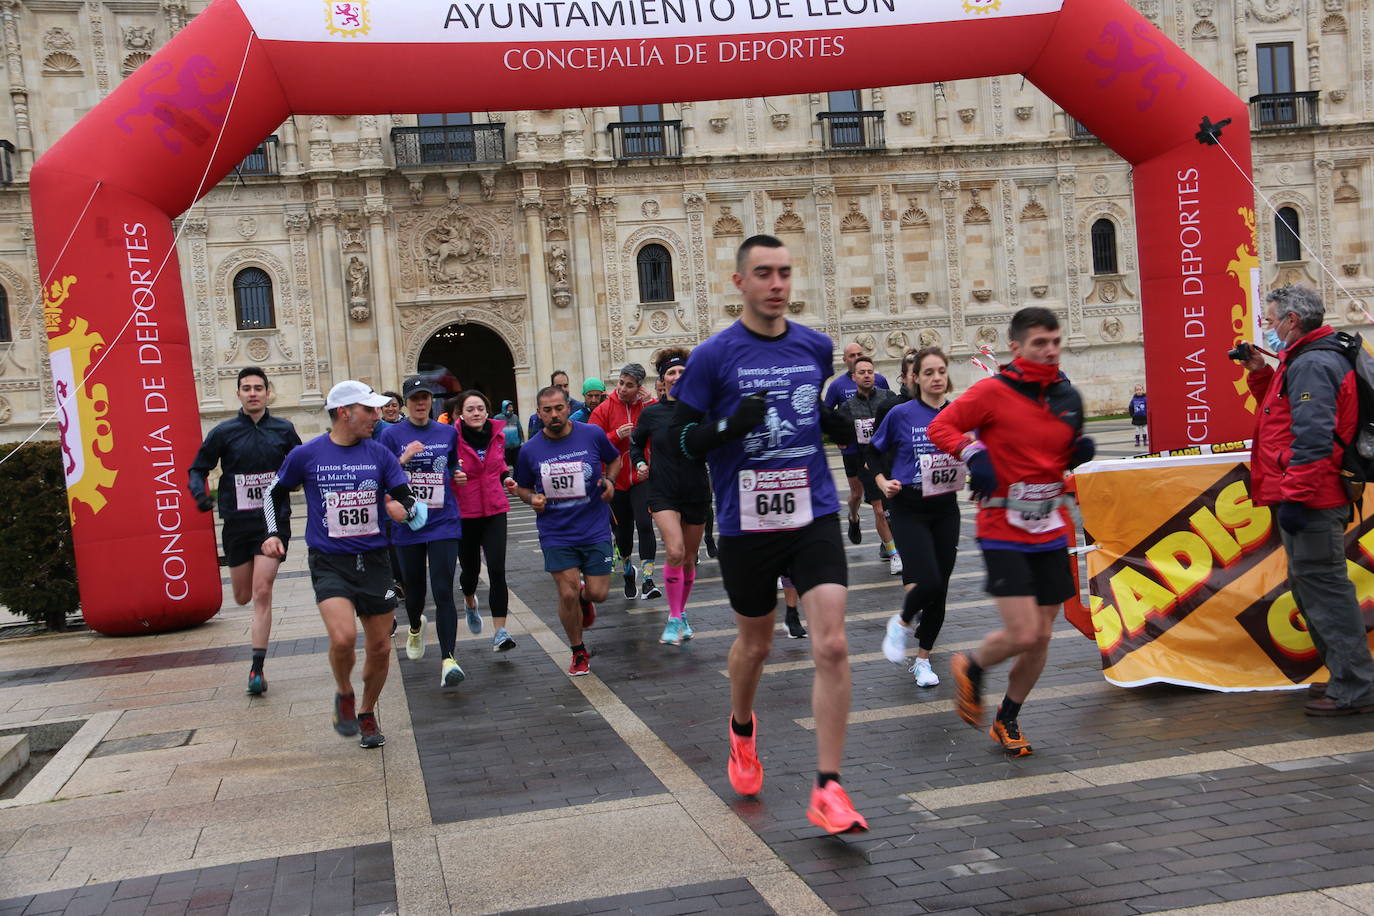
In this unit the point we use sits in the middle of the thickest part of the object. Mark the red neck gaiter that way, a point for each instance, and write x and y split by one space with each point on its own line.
1039 373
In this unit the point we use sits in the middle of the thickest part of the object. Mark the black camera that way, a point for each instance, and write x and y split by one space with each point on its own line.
1241 353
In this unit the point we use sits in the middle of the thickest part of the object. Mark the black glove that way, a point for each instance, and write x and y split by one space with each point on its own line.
1084 448
747 416
982 478
1292 516
204 503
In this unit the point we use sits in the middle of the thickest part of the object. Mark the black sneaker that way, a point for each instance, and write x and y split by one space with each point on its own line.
711 546
631 586
371 735
855 535
345 719
795 630
649 591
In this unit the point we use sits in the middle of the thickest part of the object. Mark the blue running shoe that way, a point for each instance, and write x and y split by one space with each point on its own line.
686 627
474 618
502 641
257 684
672 632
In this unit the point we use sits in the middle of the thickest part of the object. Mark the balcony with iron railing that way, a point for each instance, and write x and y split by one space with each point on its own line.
453 144
1278 110
262 161
853 130
646 139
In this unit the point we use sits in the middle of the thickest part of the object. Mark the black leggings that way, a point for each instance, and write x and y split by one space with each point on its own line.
631 510
443 565
486 534
928 539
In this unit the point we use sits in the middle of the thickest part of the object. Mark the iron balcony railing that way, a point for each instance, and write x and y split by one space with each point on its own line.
646 139
853 130
1081 132
449 145
263 160
1284 109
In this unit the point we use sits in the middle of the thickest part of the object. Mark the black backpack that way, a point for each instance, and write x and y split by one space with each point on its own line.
1357 462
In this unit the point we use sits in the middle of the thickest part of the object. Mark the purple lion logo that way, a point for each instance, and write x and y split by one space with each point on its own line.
173 110
1124 59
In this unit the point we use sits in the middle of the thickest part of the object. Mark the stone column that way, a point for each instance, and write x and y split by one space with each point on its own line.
290 143
19 93
825 216
1068 218
340 344
194 232
601 142
297 226
949 206
383 308
695 203
584 292
540 320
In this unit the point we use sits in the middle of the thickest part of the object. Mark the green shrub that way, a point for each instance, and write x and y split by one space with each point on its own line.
37 567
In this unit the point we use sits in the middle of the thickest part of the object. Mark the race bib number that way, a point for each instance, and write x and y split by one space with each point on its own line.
250 488
564 479
1035 522
774 500
428 487
351 513
863 431
941 474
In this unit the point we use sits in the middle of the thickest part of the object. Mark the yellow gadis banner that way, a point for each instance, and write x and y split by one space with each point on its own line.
1188 583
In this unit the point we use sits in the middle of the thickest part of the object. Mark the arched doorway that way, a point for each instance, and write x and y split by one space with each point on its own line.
460 356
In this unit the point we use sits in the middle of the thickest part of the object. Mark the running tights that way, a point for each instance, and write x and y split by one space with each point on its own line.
631 510
928 540
485 535
442 556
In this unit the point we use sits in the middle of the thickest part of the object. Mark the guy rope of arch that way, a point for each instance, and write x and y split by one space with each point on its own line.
208 98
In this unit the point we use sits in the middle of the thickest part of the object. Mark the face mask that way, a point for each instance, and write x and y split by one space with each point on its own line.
1273 341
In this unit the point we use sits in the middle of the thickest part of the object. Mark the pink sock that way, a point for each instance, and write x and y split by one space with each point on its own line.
689 576
673 586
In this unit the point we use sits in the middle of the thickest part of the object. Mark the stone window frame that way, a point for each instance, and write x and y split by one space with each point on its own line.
272 284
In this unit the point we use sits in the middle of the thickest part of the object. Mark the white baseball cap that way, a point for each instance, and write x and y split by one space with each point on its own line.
351 392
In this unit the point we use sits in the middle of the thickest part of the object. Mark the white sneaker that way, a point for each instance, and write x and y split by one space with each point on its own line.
894 641
924 676
415 641
894 564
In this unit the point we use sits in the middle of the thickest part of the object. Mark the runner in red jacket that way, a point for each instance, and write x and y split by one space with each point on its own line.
618 416
1029 421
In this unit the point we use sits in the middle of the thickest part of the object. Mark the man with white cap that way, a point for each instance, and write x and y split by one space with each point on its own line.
348 479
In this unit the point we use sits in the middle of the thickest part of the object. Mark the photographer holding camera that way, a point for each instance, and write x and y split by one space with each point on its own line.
1307 409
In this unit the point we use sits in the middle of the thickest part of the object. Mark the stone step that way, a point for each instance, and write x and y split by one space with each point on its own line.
14 755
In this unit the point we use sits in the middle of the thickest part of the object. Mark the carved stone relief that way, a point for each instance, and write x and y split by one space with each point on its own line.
457 251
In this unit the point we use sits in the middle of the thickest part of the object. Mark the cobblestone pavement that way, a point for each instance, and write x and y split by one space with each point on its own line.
524 790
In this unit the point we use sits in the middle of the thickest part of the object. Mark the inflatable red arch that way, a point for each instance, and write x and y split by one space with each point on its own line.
104 195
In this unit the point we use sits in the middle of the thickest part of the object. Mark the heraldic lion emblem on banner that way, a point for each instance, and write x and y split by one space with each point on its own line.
87 436
348 18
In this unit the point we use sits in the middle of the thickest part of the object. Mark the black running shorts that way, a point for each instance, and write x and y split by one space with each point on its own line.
693 512
242 538
363 578
853 464
1045 575
750 564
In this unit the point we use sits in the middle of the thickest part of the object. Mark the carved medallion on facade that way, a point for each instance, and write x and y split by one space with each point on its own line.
658 322
257 349
868 342
247 227
1113 329
650 209
929 338
854 220
897 343
987 335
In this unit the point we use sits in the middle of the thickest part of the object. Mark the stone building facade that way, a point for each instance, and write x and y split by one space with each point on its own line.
495 247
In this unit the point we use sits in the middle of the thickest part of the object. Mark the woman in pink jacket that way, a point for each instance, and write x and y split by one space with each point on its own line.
483 504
